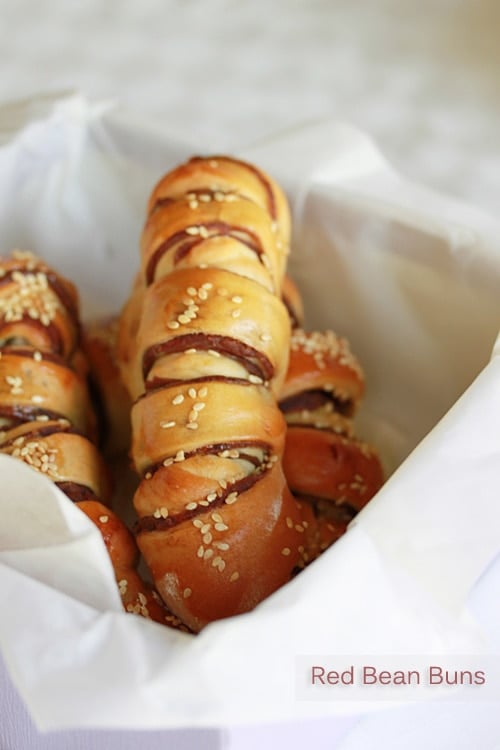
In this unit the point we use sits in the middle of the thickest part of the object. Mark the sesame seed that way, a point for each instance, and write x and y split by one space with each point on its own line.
203 294
183 318
178 399
236 314
148 475
222 546
221 527
231 498
234 576
204 232
266 337
103 519
201 551
198 406
192 231
211 497
299 527
221 565
192 426
168 462
192 392
203 392
289 522
207 285
213 353
167 425
217 559
286 551
37 356
164 512
191 291
198 523
237 299
187 593
205 503
208 554
217 517
255 379
179 456
173 324
191 506
207 538
37 399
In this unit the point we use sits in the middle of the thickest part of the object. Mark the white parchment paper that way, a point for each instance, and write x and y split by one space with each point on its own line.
413 279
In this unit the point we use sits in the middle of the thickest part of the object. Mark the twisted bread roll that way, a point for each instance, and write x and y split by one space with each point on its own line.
46 418
203 347
329 471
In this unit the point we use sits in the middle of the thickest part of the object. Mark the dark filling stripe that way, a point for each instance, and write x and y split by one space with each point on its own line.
156 383
271 203
215 229
315 399
41 432
151 523
328 509
214 449
253 361
50 330
76 492
21 414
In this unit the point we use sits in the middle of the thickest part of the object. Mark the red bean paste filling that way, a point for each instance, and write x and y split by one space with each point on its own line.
255 362
315 399
150 523
76 492
215 229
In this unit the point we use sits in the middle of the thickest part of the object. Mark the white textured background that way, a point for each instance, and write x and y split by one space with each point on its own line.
422 76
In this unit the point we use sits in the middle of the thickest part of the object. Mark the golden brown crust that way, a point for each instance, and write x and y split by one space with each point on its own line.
331 473
235 235
323 361
224 559
46 417
218 175
37 306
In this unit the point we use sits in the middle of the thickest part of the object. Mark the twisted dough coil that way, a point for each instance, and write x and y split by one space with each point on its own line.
330 472
46 417
203 347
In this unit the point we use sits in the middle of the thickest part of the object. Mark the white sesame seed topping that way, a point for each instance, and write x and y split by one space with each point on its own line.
103 519
191 506
286 551
173 324
178 399
187 593
167 425
234 576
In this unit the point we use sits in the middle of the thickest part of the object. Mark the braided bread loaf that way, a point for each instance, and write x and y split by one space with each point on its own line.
46 417
331 473
203 348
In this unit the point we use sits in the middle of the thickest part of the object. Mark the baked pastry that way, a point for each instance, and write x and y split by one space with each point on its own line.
330 472
110 397
203 347
46 417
